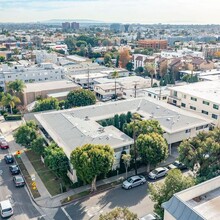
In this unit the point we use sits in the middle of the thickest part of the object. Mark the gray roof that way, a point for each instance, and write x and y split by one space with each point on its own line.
180 210
78 126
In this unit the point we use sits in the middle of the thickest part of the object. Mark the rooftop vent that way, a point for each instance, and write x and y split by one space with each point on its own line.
168 119
158 107
87 118
101 129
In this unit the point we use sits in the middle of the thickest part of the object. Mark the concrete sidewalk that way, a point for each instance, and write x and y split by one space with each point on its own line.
56 200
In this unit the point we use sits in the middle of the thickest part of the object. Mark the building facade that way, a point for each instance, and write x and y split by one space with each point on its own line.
154 44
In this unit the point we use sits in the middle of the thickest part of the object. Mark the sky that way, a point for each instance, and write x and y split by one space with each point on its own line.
124 11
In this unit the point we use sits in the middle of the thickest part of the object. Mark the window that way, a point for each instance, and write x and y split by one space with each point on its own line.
184 96
149 94
215 106
174 102
194 99
188 131
205 103
199 128
193 108
205 112
183 105
214 116
175 93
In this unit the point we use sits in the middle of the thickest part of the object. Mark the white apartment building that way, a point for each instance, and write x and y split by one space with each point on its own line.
78 126
202 98
139 60
31 74
85 79
181 53
42 56
200 202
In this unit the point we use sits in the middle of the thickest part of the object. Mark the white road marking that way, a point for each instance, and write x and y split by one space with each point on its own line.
65 212
95 210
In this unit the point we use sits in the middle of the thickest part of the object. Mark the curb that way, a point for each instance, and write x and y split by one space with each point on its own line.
90 195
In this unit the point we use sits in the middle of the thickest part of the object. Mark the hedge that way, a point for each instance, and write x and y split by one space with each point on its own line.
12 117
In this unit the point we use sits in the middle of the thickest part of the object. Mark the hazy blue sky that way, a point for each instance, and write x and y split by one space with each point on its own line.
134 11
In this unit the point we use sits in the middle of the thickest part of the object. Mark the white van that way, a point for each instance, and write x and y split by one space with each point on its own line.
6 208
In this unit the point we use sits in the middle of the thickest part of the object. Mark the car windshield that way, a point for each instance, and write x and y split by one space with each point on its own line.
6 210
9 157
19 179
130 180
176 163
154 171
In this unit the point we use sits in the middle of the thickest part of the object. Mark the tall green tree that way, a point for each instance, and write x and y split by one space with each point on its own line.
46 104
174 182
16 86
26 134
152 148
56 160
116 121
90 161
10 100
119 214
81 97
108 59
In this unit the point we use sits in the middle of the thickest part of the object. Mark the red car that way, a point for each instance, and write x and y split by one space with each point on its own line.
4 145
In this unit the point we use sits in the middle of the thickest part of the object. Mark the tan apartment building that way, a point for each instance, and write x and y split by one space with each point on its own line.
43 89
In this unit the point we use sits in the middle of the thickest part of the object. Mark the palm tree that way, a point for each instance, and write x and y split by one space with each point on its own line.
16 86
150 67
10 100
115 76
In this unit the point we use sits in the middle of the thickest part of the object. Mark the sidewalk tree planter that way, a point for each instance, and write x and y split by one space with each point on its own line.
90 161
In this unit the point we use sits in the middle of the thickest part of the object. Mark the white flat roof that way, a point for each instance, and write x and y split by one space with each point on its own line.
207 90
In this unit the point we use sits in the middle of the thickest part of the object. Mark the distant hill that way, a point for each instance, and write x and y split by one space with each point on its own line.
82 21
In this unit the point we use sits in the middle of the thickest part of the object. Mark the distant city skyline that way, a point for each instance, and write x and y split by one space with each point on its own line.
123 11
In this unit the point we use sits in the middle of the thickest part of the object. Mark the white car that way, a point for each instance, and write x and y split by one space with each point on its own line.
158 172
6 209
150 217
133 181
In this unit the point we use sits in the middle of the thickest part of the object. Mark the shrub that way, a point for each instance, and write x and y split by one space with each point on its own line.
12 117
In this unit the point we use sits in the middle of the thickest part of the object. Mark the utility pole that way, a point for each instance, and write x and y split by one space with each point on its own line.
135 89
88 79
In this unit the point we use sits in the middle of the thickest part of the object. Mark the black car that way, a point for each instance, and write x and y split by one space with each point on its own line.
177 165
9 158
14 169
18 181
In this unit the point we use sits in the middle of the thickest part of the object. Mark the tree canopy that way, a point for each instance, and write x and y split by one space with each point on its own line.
16 86
81 97
90 161
202 154
56 160
25 134
174 182
119 214
152 148
10 100
46 104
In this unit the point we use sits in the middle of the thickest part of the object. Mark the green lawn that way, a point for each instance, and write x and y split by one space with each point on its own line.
51 182
27 177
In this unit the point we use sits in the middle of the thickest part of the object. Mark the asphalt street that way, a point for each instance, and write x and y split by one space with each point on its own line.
22 205
136 199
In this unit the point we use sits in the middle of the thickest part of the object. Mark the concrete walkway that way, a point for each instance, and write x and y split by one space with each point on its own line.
46 200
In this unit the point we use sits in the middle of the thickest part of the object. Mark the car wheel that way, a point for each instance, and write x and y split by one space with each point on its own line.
155 178
141 183
129 187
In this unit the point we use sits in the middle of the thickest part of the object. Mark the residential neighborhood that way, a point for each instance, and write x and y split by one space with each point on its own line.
112 115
